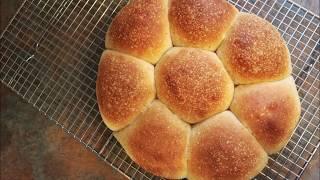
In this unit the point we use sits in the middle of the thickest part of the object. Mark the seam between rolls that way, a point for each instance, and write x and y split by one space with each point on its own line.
145 108
228 31
170 34
188 149
250 131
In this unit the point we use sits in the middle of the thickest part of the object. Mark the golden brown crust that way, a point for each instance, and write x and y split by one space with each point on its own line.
157 141
141 29
253 51
125 85
221 148
193 83
200 23
270 110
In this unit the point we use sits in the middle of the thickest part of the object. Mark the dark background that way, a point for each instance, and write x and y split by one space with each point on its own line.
32 147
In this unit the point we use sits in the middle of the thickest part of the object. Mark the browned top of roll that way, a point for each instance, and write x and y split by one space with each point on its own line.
157 141
221 148
125 85
193 83
253 51
200 23
270 110
141 29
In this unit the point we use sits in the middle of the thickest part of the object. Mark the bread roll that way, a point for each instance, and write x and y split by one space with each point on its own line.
270 110
222 148
141 29
157 141
200 23
253 51
125 85
193 83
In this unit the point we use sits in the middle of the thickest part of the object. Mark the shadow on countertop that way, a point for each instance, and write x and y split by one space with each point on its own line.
32 147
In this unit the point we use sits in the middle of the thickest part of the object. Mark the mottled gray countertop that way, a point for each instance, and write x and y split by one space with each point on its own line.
32 147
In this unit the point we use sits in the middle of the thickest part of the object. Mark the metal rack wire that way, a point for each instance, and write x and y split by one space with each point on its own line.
50 53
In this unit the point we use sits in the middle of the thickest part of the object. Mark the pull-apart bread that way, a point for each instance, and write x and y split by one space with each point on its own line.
196 89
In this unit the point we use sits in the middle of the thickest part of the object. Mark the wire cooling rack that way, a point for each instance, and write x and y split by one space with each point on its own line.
50 53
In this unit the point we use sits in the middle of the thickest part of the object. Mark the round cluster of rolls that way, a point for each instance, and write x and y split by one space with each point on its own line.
195 89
